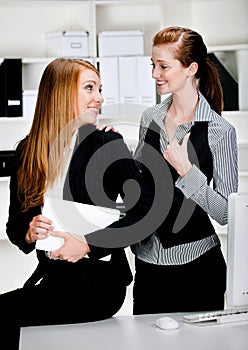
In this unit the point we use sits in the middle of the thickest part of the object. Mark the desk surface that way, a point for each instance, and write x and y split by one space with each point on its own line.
136 333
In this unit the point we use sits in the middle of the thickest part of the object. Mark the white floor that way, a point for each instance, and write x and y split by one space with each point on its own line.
16 267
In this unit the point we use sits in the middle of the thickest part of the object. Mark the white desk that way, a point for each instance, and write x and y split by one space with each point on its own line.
135 333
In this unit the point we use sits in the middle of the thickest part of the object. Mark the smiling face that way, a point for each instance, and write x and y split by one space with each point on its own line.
170 75
89 99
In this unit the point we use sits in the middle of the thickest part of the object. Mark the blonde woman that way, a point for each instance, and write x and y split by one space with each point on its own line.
74 283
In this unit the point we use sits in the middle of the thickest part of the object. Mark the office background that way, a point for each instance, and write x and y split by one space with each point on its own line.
23 29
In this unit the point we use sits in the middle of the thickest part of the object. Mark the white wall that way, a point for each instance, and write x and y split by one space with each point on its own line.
177 13
221 22
23 24
23 27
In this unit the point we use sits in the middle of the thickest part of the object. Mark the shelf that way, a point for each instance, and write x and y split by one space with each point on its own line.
46 60
235 113
221 48
30 60
120 117
7 120
4 178
243 173
110 2
118 2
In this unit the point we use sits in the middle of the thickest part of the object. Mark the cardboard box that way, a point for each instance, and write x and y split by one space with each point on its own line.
67 44
121 43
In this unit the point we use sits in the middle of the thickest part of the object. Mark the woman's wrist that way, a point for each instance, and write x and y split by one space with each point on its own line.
28 238
182 172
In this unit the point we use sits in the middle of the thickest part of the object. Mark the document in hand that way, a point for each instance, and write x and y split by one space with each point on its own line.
75 218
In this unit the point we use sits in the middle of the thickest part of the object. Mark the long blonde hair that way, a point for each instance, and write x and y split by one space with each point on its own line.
41 155
191 48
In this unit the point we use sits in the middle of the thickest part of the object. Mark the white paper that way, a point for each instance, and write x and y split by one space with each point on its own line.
75 218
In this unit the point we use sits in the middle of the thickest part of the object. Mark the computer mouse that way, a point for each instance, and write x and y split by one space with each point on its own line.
167 323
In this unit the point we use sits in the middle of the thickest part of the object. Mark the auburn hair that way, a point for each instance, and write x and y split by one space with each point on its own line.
191 48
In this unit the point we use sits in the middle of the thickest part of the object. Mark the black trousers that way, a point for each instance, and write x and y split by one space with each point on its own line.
197 286
42 305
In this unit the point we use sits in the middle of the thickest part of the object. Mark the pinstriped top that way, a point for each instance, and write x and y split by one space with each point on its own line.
212 198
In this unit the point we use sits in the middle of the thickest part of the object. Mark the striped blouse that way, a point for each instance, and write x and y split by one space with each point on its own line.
213 199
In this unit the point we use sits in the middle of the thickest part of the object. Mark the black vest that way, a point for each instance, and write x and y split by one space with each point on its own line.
184 220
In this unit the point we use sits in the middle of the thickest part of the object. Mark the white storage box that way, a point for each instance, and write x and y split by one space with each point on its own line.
121 43
68 44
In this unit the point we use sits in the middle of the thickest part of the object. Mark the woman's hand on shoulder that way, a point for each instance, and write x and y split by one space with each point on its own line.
74 248
106 128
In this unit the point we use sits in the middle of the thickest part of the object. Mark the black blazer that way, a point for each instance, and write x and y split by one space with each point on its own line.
99 167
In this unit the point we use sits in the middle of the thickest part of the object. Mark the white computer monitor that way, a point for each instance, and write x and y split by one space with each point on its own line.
237 250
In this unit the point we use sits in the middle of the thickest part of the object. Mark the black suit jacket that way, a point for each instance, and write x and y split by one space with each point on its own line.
100 165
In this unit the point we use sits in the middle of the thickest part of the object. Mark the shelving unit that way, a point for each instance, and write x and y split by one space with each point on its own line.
96 16
115 15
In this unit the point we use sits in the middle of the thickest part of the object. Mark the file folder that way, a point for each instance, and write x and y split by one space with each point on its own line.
11 88
109 71
75 218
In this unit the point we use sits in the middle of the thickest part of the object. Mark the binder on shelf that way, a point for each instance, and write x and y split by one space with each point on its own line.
128 83
146 83
228 82
109 70
6 162
11 88
29 98
128 86
137 88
